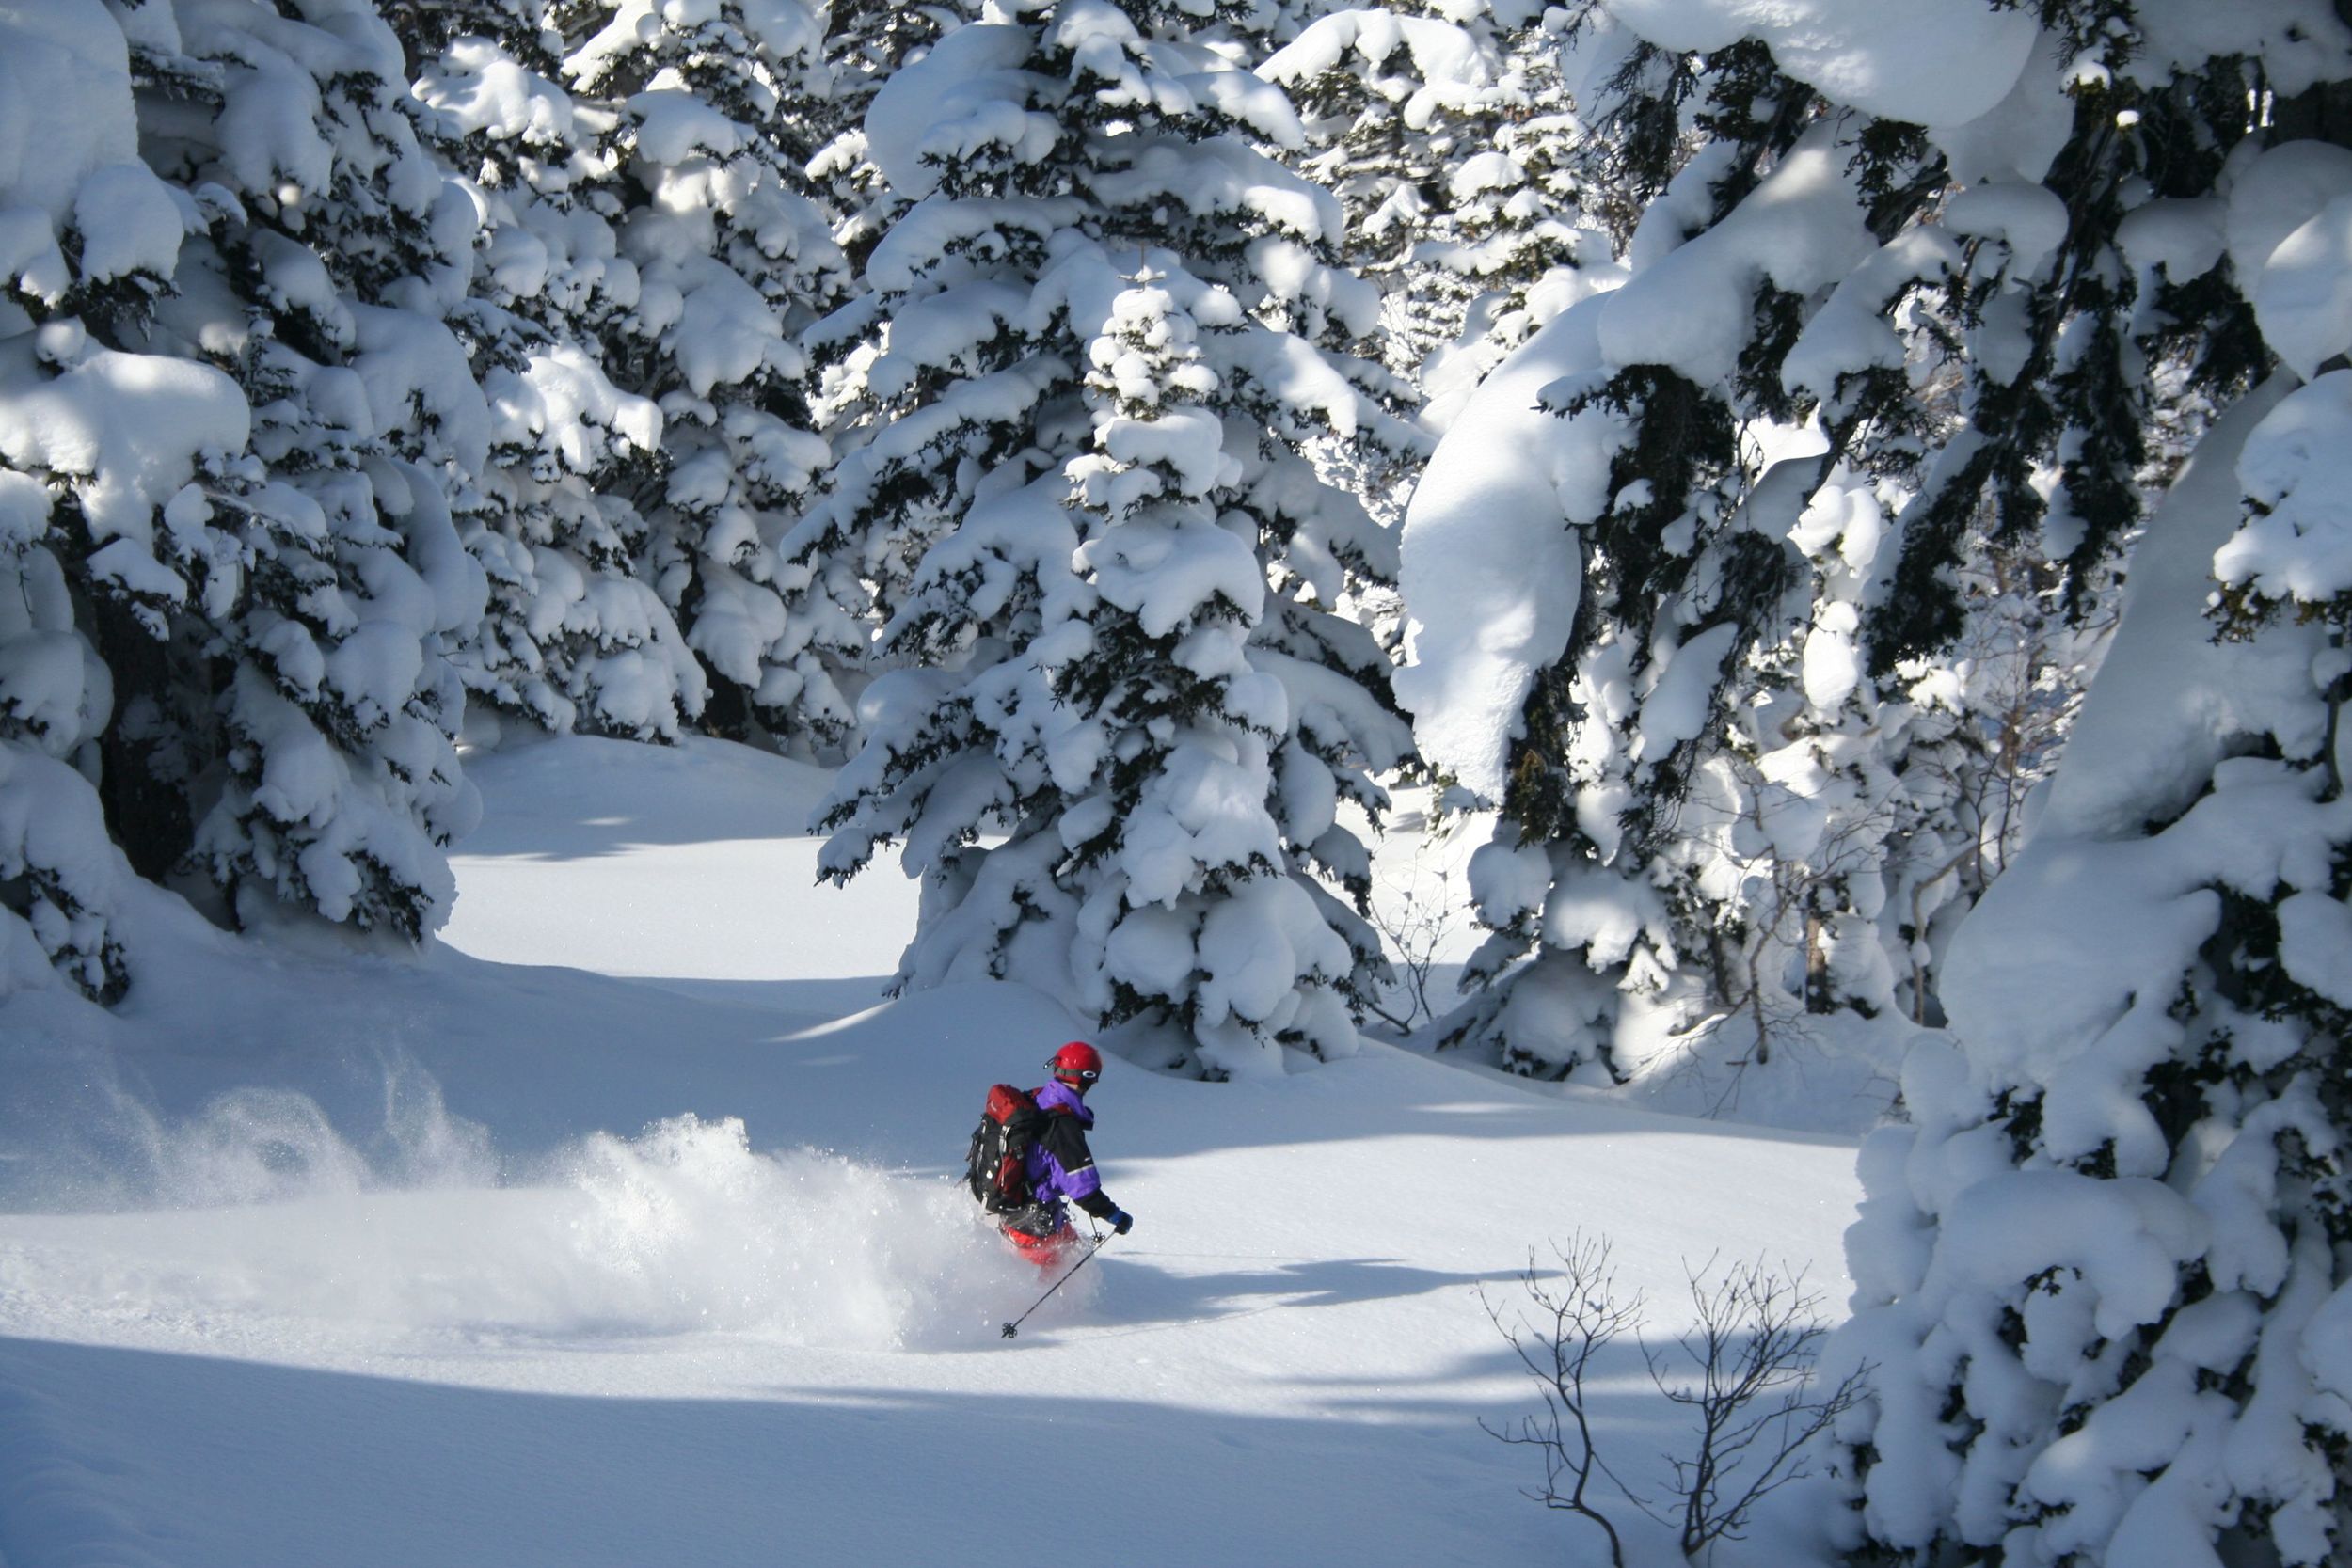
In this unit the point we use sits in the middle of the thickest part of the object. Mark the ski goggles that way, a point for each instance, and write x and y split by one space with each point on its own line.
1084 1075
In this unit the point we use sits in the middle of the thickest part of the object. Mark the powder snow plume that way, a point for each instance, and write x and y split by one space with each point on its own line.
260 1220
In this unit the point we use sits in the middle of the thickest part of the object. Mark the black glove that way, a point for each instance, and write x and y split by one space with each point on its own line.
1121 1221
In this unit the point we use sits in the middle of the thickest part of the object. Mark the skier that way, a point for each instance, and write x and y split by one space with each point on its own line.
1060 1166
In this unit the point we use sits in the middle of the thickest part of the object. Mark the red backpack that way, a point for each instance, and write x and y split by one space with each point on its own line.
996 1166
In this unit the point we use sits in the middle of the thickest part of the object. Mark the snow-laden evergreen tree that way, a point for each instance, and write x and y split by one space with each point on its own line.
1101 341
649 232
332 247
575 637
2102 1274
710 137
1637 570
2104 1288
1822 843
1821 293
866 44
1449 138
209 531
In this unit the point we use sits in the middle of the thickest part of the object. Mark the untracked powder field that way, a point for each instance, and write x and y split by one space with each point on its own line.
506 1263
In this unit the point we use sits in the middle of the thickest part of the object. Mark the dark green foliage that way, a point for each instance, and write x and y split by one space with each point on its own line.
1668 479
1754 108
2019 1115
1779 317
2081 400
1899 172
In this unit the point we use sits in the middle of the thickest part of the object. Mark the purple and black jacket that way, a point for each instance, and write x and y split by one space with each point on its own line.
1060 1166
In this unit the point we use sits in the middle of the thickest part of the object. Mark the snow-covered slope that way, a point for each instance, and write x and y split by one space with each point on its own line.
321 1257
705 845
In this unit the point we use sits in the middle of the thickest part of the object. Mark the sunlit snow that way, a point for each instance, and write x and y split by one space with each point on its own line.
464 1260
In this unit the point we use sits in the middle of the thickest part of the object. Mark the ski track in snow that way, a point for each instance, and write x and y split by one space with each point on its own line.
330 1260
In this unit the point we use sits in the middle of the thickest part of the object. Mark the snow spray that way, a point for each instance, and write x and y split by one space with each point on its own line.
256 1212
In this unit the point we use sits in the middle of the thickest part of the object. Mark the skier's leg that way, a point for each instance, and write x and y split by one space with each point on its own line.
1044 1237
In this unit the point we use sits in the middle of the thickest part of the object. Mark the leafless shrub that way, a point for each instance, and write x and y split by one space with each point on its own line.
1414 924
1748 1380
1565 1322
1744 1371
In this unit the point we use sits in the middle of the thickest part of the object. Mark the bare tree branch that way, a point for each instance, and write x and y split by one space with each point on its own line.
1750 1384
1416 924
1564 1322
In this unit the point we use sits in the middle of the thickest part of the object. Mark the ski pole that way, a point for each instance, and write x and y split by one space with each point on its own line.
1013 1327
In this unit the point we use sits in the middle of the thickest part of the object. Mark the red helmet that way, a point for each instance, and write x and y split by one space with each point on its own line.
1076 1064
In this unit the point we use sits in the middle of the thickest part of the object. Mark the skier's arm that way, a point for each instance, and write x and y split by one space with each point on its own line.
1108 1212
1067 1145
